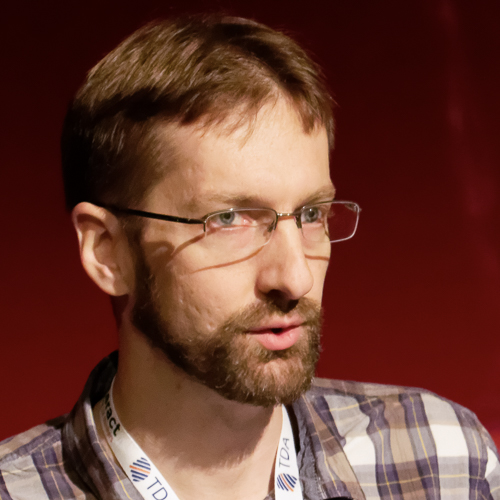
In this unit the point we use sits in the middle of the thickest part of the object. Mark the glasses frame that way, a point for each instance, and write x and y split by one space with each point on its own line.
203 220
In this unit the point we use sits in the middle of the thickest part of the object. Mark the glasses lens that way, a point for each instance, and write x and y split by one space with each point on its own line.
329 222
239 231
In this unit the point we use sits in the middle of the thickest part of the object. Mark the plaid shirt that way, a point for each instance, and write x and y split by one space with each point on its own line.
356 440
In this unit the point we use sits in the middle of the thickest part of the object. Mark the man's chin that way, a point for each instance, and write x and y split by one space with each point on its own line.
231 361
278 381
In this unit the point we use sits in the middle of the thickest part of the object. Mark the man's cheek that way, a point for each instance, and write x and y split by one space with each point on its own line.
196 310
318 270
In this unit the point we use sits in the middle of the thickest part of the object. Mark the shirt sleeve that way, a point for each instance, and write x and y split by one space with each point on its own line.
492 468
493 474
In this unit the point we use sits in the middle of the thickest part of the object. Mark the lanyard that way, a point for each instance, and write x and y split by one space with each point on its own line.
153 486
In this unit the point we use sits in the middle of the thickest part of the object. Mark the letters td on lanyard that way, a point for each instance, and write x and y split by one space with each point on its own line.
153 486
286 470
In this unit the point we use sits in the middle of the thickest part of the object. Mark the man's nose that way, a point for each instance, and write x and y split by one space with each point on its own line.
284 270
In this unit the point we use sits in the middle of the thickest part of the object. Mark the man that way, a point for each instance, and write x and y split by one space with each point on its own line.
196 166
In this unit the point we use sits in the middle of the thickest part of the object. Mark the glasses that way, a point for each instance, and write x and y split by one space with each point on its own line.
240 230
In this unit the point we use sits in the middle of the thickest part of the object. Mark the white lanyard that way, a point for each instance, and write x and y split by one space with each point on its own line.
286 471
153 486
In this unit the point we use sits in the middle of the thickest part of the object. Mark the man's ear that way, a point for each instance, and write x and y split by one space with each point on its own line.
104 250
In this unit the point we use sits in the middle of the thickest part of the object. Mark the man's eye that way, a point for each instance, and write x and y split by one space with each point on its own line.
311 215
240 219
225 218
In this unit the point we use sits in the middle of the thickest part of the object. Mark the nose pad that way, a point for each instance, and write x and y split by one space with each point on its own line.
297 218
298 221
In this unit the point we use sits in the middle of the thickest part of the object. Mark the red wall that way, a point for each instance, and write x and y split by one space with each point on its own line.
414 299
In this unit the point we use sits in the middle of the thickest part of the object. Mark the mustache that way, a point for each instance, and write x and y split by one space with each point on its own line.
309 310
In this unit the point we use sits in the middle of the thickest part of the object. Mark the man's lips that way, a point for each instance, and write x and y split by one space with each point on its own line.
277 325
278 335
275 330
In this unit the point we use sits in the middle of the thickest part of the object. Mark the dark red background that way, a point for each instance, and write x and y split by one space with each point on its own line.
414 299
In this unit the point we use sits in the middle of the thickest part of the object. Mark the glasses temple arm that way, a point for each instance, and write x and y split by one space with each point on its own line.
152 215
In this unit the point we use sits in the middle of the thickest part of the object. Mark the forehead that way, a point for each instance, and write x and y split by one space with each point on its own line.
270 161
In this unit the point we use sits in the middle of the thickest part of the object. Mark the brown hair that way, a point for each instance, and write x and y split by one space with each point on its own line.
194 69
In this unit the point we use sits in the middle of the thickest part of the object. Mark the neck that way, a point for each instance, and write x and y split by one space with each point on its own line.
219 441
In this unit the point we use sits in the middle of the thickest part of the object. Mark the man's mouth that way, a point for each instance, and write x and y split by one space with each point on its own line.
275 329
278 335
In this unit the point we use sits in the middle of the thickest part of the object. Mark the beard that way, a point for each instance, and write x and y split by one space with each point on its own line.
229 360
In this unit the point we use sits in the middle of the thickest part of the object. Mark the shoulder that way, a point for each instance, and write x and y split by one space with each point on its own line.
32 464
16 449
388 405
406 424
427 407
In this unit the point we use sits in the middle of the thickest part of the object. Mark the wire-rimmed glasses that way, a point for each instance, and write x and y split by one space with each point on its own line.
240 230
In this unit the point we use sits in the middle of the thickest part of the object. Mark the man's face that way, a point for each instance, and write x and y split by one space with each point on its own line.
247 327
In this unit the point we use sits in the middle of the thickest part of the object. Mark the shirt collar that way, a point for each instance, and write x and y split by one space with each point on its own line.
324 469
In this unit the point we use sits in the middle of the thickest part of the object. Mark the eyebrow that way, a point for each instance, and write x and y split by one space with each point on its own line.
324 194
239 200
221 201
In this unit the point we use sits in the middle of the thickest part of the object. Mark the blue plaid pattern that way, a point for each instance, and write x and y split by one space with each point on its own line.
358 441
